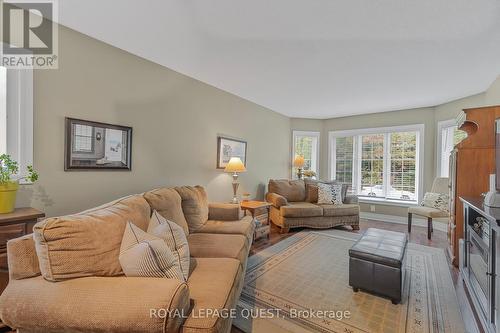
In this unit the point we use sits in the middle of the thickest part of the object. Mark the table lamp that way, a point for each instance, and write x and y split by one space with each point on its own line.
235 165
299 162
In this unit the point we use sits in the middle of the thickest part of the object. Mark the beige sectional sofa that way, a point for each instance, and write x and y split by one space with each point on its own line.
295 204
66 276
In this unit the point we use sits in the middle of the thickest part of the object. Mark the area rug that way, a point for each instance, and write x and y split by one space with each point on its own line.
301 284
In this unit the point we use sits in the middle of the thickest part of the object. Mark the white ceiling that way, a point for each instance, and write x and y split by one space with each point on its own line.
310 58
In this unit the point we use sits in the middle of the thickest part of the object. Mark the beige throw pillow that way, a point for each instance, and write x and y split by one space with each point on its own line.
329 194
174 237
169 204
142 254
194 206
436 200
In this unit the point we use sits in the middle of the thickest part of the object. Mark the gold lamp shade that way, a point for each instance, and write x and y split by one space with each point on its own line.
298 162
235 165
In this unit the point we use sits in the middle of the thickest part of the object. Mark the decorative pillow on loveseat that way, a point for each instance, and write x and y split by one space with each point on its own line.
174 237
329 194
142 254
438 201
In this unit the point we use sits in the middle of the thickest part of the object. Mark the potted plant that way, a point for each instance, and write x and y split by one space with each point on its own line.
9 182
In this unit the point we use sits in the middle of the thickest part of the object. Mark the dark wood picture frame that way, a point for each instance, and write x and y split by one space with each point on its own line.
219 146
91 163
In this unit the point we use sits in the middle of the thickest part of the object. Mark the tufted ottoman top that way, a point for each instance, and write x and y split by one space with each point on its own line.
381 246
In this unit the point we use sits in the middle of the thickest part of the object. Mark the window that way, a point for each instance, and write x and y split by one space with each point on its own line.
306 144
3 110
343 169
448 136
16 115
83 139
379 163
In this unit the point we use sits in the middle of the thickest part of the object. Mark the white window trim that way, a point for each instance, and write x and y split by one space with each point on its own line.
298 133
419 179
20 117
440 126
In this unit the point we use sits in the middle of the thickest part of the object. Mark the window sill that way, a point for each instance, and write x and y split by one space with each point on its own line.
387 202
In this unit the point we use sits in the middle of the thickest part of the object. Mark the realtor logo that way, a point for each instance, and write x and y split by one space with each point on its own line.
29 34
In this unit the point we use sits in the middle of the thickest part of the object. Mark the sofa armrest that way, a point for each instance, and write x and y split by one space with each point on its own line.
351 199
224 212
276 200
95 304
22 258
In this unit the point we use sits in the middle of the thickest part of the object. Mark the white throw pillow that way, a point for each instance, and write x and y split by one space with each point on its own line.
436 200
174 236
330 194
142 254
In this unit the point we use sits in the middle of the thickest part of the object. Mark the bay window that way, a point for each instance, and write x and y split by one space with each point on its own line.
306 144
379 163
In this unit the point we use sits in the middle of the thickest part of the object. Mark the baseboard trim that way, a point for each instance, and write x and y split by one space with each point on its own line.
419 222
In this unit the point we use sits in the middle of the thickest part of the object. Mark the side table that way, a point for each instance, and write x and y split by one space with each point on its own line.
259 210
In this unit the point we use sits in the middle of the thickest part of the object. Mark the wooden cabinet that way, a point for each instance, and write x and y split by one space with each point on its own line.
472 161
13 225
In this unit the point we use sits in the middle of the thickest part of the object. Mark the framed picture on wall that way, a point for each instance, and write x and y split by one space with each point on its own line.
229 147
90 145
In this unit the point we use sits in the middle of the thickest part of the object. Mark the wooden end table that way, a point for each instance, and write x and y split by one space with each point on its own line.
260 211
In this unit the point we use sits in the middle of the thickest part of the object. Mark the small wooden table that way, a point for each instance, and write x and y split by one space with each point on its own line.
260 212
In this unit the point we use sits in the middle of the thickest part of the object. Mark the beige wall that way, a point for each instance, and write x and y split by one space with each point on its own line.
175 120
489 97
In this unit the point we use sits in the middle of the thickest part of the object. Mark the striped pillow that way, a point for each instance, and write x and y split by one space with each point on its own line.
142 254
174 236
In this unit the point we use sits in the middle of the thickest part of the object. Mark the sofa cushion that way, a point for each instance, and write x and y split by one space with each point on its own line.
218 246
330 194
312 189
145 255
215 284
292 190
94 304
340 210
194 206
174 237
301 209
244 227
168 203
427 211
88 243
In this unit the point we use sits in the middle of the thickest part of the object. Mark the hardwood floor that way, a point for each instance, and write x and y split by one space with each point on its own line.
417 236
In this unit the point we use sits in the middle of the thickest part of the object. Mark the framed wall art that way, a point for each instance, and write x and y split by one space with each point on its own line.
91 145
229 147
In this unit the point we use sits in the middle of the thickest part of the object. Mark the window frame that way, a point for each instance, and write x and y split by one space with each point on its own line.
419 159
300 133
441 125
19 113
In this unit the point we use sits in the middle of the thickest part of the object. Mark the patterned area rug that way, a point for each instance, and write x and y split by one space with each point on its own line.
301 285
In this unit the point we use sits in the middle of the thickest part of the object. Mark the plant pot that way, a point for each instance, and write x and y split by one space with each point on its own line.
8 192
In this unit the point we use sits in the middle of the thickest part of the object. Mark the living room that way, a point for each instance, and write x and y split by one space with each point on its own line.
249 166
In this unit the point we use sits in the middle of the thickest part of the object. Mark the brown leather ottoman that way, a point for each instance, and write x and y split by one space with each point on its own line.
377 263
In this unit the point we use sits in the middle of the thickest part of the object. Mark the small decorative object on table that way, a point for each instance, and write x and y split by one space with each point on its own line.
245 196
235 166
9 183
309 174
259 210
299 162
